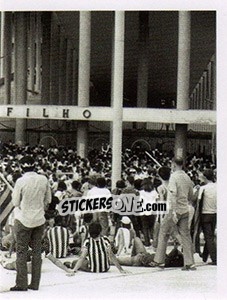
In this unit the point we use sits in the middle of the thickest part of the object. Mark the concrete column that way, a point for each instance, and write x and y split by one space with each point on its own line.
213 98
38 51
7 60
118 76
213 90
69 73
75 78
20 73
84 78
143 62
183 77
32 53
112 75
54 60
62 70
2 42
46 34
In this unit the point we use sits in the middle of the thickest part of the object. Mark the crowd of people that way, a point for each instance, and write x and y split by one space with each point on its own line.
47 176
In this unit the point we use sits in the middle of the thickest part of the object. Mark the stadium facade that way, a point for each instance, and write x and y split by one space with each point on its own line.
82 79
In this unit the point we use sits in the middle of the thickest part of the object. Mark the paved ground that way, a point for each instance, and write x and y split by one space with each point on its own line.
143 282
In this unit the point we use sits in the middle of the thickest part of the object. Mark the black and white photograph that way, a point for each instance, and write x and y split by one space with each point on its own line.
108 151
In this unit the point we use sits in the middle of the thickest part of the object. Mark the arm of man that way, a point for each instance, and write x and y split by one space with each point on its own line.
48 198
58 263
191 194
171 197
81 259
115 261
16 194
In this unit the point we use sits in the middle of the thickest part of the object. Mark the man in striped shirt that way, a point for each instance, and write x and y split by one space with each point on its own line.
96 253
58 237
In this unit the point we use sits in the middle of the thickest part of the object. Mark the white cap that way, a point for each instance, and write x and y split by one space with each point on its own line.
125 220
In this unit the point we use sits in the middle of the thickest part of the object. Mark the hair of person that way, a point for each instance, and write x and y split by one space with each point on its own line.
88 218
147 185
164 172
27 163
131 180
101 182
120 184
95 229
127 226
137 184
178 161
62 186
58 221
92 180
76 185
209 174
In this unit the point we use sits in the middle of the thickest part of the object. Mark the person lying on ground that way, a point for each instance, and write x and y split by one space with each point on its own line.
141 258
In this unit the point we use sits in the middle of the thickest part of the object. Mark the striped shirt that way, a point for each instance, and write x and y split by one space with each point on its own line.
58 240
98 254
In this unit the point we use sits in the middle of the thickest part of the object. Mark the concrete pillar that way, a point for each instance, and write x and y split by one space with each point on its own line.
213 98
45 62
213 91
54 60
183 77
38 51
46 34
75 78
112 75
62 69
84 78
7 53
143 62
20 73
32 52
118 76
69 74
2 42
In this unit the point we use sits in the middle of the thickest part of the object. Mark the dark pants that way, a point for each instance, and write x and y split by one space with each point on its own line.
147 223
208 223
28 237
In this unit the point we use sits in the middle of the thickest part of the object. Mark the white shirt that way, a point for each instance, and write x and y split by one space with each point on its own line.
30 195
148 197
209 192
98 192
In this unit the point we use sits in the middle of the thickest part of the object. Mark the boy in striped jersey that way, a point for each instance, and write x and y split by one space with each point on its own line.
96 253
58 237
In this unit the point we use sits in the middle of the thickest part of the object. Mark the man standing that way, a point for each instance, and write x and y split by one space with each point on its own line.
30 197
180 191
208 197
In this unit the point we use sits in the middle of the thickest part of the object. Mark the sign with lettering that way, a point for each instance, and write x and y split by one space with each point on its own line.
104 113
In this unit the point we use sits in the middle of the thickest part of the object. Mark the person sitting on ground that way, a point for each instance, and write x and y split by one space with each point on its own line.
58 237
96 253
124 237
84 228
